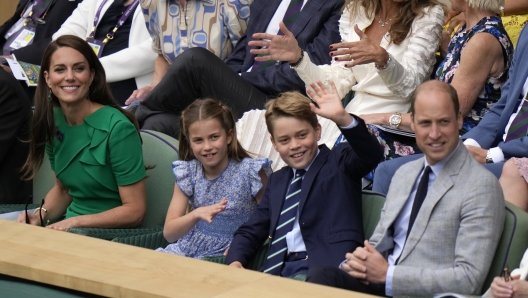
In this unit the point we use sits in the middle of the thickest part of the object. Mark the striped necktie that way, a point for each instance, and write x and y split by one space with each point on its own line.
519 125
292 13
278 249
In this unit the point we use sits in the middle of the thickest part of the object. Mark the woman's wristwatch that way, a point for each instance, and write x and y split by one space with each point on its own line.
395 120
384 66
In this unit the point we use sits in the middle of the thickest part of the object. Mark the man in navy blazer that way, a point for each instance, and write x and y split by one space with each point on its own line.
197 73
485 141
328 221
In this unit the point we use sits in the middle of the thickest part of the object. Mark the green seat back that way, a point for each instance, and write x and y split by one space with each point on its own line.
512 244
159 151
372 204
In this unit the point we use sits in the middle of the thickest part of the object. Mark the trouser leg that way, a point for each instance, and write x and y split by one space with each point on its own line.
197 73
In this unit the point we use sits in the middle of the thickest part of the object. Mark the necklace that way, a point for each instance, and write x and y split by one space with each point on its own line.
383 23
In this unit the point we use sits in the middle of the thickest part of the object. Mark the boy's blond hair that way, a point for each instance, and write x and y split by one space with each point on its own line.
290 104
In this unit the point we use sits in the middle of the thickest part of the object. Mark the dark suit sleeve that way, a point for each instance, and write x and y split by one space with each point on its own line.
15 111
9 23
236 59
280 78
250 237
362 153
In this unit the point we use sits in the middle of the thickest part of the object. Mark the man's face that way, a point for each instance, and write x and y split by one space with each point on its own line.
436 125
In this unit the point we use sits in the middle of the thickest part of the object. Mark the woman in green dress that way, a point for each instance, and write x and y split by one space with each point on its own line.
93 145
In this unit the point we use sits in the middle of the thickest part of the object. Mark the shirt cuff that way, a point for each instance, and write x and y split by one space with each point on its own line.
353 124
340 264
496 154
471 142
388 281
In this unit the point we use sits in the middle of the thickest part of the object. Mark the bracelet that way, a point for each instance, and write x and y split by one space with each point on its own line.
40 208
384 66
298 61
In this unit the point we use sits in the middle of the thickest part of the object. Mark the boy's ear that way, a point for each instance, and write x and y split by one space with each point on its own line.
273 142
318 130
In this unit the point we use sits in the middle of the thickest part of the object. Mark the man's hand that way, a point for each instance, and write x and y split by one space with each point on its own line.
330 105
139 94
236 264
367 264
276 47
6 68
478 154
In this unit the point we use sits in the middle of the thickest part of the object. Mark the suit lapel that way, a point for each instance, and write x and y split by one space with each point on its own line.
285 175
307 13
440 187
310 175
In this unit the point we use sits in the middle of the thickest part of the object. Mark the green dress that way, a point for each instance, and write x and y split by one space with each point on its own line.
93 158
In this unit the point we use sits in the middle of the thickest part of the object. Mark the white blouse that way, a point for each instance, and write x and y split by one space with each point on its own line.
387 90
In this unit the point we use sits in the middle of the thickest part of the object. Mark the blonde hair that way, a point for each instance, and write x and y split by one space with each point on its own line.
290 104
493 5
208 109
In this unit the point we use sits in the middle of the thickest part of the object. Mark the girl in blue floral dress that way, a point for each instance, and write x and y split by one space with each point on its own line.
217 177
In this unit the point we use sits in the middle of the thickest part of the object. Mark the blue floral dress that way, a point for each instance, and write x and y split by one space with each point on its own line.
239 183
492 89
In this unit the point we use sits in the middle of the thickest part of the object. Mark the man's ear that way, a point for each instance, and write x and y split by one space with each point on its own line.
412 122
460 121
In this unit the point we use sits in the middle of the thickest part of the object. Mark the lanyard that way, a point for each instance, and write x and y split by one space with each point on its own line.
130 8
37 16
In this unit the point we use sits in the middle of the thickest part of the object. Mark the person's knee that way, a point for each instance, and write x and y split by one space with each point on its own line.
166 123
510 169
321 275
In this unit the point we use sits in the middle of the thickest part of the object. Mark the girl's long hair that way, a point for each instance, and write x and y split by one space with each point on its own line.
208 109
43 125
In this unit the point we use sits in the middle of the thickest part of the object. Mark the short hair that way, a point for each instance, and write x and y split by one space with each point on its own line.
207 109
290 104
493 5
439 86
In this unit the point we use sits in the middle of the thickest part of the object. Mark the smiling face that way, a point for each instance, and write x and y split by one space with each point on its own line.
69 75
209 143
295 140
436 124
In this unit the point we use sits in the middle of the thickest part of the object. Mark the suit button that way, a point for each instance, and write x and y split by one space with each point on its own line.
303 223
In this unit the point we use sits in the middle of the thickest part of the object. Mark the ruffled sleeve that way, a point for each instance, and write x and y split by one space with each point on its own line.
252 168
185 172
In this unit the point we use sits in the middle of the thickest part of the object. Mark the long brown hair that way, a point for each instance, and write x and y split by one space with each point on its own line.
207 109
408 10
43 124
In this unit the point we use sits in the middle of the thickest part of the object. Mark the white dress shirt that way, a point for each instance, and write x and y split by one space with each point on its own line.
294 239
496 153
20 23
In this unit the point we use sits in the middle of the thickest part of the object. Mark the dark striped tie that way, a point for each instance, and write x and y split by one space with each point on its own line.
292 13
519 125
278 248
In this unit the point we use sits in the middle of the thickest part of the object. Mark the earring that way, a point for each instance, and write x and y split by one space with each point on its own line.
49 98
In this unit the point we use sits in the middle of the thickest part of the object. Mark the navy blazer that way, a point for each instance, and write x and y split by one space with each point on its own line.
488 133
329 207
58 12
315 30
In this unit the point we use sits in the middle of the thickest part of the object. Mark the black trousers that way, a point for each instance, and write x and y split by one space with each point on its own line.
337 278
196 74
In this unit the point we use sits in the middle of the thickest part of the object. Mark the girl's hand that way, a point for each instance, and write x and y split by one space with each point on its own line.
64 225
34 219
208 212
276 47
359 52
329 103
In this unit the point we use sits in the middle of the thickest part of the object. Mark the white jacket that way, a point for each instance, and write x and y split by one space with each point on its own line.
136 61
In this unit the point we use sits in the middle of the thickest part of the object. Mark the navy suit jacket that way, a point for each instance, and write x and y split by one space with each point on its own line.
488 133
315 29
58 12
329 207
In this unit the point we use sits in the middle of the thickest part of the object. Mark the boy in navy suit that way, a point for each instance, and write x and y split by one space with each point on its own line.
311 209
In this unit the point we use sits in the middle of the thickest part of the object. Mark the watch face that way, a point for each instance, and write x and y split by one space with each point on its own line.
395 120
